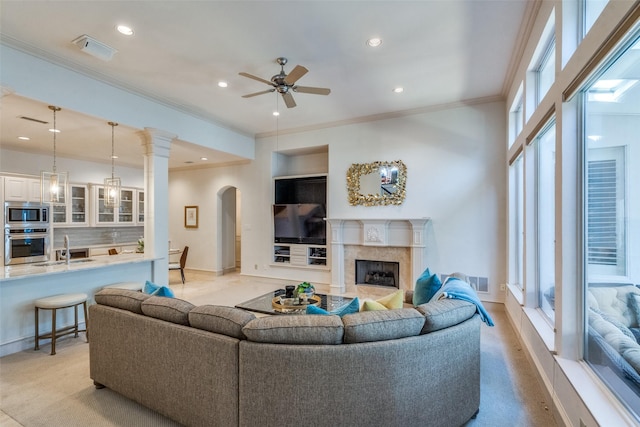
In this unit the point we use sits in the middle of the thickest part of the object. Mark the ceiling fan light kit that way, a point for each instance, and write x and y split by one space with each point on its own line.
285 83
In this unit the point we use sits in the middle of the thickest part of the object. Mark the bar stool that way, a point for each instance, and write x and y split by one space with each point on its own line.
55 303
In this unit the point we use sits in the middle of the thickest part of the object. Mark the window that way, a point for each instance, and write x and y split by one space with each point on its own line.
545 151
606 230
516 117
541 72
546 71
592 9
611 235
516 232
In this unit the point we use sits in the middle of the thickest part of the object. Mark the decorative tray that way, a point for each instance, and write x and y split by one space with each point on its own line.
281 303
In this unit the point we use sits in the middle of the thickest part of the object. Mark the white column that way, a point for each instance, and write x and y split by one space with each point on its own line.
157 145
337 257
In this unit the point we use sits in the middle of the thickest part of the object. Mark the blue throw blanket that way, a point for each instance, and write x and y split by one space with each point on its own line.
459 289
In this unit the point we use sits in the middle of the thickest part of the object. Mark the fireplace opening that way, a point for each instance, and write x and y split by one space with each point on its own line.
377 273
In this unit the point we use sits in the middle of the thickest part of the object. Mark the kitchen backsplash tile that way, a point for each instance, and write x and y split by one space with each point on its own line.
97 236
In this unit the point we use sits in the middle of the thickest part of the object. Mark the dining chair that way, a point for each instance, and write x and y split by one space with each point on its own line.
180 265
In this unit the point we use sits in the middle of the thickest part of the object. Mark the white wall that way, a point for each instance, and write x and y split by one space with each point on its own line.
454 160
202 188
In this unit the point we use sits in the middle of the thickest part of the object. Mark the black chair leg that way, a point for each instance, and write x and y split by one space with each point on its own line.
182 275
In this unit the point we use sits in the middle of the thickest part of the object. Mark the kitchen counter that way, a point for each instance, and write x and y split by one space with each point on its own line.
54 267
21 285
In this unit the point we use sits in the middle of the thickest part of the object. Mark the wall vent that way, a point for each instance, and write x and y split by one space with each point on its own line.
31 119
480 284
94 48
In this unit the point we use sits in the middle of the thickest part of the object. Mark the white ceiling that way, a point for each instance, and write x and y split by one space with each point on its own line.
440 52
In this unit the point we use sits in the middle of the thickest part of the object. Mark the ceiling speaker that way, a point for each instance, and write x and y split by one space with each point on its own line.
94 48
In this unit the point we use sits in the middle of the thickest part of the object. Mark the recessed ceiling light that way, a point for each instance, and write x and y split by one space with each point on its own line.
276 113
398 90
123 29
203 158
24 138
222 84
114 157
54 130
374 42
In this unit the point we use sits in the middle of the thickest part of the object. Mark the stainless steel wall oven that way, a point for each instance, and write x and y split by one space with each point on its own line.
26 233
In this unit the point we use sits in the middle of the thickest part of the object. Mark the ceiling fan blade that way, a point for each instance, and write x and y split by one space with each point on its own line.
313 90
288 100
258 93
295 74
251 76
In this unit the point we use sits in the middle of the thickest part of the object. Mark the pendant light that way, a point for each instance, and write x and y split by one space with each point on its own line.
112 185
54 185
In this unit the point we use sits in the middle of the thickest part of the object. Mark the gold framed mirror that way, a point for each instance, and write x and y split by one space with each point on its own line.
377 184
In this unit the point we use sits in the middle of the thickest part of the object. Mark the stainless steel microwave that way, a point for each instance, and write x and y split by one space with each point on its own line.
25 214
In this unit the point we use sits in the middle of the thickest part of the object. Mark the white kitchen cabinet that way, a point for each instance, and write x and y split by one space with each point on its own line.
21 189
74 212
140 196
123 214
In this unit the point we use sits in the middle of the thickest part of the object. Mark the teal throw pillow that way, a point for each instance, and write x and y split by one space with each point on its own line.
352 307
157 290
426 287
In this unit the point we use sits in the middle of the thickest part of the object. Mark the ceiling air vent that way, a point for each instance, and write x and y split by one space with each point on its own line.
31 119
94 48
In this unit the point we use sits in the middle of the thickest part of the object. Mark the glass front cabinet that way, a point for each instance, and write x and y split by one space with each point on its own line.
75 211
140 207
123 214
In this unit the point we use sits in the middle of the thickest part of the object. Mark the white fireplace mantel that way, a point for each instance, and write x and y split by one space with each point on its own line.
380 233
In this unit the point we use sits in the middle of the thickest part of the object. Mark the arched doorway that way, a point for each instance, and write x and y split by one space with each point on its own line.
229 229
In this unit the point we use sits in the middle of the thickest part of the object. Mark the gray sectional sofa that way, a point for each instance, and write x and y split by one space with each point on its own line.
222 366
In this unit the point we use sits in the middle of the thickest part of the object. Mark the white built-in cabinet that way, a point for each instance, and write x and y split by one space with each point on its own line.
75 212
125 213
140 199
21 189
299 255
85 206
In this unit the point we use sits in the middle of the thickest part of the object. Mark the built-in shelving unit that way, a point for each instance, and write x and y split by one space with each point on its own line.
300 255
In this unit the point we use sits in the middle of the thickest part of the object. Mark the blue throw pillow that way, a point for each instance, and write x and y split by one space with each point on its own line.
426 287
157 290
352 307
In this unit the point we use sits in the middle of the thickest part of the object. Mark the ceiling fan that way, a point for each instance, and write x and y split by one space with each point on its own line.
285 83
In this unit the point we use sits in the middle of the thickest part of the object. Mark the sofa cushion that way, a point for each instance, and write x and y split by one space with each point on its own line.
220 320
367 326
122 298
426 287
444 313
352 307
295 329
170 309
371 305
388 302
614 302
157 290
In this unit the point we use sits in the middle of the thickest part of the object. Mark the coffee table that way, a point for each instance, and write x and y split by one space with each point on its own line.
262 304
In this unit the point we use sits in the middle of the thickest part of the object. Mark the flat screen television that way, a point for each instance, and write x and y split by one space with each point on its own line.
300 223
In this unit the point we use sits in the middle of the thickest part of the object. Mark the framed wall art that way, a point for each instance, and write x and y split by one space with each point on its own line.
190 217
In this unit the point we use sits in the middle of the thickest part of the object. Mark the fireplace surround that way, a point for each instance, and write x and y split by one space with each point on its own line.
391 240
377 273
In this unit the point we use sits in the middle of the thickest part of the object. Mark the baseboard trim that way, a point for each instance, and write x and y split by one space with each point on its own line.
28 343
